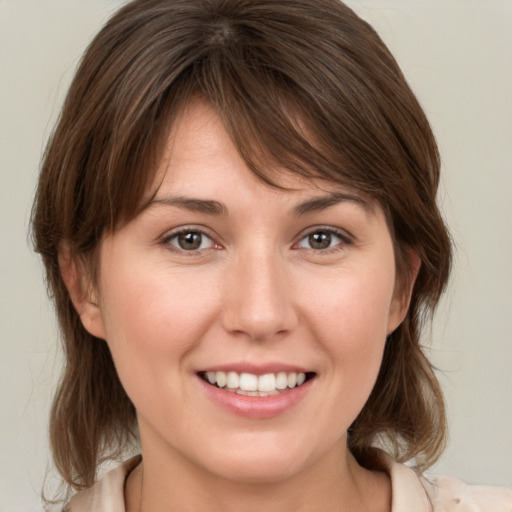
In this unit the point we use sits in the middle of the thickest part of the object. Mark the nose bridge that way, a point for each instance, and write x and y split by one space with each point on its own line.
260 304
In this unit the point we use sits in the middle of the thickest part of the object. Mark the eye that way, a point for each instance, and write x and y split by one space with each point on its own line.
190 240
322 239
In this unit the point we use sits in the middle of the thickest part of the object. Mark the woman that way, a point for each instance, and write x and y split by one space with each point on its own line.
237 214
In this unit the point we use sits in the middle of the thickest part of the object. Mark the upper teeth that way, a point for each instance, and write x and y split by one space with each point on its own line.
266 383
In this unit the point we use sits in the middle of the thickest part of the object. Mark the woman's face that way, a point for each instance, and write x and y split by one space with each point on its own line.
224 278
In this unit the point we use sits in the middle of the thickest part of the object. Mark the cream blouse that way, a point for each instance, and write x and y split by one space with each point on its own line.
410 493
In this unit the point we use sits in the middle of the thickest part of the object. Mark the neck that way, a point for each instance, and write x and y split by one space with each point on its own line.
335 482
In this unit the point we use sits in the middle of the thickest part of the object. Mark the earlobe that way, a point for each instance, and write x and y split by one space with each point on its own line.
403 291
81 292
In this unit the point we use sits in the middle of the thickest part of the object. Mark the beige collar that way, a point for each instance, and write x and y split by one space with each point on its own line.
107 495
408 492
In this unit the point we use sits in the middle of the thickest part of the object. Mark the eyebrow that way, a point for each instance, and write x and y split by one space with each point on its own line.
216 208
322 203
206 206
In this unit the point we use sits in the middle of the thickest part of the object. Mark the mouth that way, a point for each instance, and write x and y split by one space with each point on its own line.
249 384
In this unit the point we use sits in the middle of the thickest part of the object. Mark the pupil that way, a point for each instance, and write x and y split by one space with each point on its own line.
189 241
320 240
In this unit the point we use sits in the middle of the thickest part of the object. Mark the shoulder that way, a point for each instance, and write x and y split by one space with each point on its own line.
107 494
412 492
452 495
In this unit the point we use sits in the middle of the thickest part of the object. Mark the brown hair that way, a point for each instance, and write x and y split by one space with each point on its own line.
305 83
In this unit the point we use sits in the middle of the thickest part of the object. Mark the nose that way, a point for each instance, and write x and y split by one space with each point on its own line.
259 300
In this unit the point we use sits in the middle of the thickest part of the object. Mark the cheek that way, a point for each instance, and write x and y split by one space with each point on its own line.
153 306
355 308
152 320
350 324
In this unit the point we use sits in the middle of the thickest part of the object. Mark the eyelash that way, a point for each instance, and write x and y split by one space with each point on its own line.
167 240
345 238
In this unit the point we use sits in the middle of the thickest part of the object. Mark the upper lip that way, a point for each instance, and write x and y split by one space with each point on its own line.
256 369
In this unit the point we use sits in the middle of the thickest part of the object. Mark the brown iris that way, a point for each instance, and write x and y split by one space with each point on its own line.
320 240
190 240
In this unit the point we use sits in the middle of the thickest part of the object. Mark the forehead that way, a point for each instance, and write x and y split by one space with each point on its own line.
200 155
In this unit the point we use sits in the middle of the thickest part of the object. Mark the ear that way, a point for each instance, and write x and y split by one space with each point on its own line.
81 291
403 291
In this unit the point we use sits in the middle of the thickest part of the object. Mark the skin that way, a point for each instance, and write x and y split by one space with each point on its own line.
257 292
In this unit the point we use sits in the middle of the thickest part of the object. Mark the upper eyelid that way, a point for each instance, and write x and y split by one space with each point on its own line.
342 233
346 240
194 254
170 233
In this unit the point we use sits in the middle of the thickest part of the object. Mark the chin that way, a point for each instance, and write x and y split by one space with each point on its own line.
259 463
261 471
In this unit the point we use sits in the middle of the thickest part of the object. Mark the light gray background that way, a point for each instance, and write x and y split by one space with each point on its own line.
457 55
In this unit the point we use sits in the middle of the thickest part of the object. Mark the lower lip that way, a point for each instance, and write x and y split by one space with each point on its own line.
257 407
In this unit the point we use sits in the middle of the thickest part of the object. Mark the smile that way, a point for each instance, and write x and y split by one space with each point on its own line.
249 384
